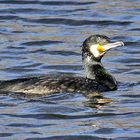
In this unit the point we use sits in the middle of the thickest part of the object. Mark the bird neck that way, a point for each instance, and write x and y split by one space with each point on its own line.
95 70
92 67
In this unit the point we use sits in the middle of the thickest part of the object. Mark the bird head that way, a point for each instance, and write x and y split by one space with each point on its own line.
97 45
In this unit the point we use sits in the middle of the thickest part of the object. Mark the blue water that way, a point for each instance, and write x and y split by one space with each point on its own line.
39 37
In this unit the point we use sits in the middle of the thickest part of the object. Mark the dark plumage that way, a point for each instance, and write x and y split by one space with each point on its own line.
97 78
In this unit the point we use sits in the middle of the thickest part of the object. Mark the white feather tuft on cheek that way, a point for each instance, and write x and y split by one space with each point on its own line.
94 51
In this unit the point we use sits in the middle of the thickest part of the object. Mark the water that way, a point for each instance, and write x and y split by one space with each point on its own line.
44 37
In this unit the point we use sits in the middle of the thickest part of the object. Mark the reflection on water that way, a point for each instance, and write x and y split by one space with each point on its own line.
44 37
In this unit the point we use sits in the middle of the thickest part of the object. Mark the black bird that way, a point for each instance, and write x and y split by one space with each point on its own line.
97 78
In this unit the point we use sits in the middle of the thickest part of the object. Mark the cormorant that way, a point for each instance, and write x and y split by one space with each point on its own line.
97 78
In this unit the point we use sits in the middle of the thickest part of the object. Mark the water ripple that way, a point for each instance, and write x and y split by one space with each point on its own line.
40 43
83 137
72 22
46 2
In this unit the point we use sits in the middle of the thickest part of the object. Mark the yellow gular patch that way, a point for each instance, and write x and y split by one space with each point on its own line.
100 48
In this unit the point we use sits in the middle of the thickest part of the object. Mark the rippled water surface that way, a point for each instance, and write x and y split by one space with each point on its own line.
39 37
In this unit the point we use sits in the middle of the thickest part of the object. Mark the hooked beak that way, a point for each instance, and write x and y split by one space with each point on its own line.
113 45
